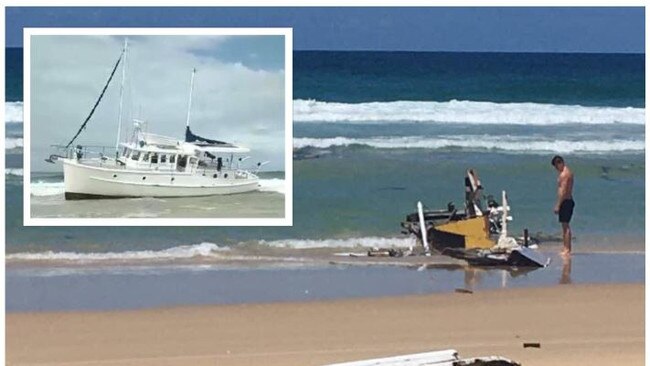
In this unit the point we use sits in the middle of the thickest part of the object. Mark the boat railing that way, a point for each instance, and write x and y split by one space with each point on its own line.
224 171
98 154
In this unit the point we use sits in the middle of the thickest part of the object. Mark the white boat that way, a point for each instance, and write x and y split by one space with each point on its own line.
150 165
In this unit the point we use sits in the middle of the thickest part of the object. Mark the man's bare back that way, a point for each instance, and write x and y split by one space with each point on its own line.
565 184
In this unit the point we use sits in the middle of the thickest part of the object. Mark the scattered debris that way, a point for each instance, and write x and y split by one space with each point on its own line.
464 291
392 188
391 252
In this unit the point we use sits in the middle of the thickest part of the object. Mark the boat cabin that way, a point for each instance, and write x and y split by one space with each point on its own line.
149 158
155 152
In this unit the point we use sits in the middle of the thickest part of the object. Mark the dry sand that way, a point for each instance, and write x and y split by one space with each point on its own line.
575 324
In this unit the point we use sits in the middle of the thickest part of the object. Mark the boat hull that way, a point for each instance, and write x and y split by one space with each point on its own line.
92 182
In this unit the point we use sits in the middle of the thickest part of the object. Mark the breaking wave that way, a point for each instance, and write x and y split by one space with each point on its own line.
453 111
17 172
13 112
180 252
272 185
13 143
456 111
206 251
474 142
41 188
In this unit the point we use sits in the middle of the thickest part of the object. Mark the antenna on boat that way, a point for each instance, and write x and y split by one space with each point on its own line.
189 103
119 118
504 217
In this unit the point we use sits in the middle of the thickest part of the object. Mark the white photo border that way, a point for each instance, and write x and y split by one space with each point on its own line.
287 220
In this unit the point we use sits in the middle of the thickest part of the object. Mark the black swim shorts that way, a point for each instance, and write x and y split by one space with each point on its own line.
566 210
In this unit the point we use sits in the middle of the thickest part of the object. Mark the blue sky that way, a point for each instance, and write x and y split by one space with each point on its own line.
413 29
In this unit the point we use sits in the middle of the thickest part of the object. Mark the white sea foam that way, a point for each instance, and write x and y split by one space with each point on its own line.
40 188
365 242
456 111
180 252
453 111
13 112
205 250
13 143
272 185
506 143
14 171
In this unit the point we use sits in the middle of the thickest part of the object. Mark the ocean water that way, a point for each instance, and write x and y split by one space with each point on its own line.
375 132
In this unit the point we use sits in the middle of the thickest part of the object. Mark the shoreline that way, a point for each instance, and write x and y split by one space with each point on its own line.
269 251
574 324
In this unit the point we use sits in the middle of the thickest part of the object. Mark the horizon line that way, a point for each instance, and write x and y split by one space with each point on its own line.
448 51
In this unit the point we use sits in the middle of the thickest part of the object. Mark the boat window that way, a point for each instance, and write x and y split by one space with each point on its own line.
146 157
163 159
191 164
182 161
135 156
154 158
172 159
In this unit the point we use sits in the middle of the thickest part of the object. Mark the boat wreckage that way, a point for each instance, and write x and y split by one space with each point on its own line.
477 234
436 358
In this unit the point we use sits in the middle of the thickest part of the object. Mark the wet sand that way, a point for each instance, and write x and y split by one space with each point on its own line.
575 324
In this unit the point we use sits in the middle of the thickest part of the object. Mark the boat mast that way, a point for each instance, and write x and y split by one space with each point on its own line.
189 104
119 118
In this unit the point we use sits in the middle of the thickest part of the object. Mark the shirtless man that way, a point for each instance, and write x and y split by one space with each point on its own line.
564 205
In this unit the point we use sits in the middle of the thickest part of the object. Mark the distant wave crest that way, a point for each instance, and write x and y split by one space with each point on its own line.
456 111
477 142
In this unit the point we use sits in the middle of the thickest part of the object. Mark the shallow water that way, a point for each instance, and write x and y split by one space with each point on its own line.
123 287
252 204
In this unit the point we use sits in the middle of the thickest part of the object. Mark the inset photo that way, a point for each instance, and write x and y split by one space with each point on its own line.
158 126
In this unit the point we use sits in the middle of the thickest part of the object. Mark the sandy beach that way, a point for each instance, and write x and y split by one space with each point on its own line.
575 324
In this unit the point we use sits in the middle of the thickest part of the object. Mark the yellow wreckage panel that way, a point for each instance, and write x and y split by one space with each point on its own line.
475 231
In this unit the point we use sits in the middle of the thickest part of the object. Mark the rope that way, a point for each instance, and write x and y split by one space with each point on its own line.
83 125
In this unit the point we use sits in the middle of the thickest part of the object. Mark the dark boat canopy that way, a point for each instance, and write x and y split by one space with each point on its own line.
202 141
